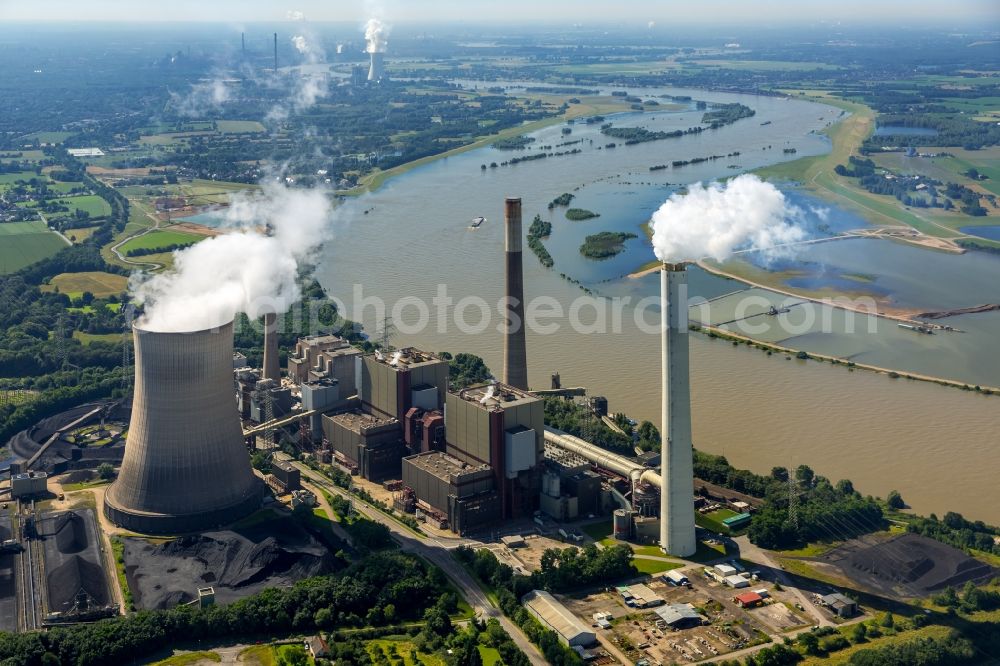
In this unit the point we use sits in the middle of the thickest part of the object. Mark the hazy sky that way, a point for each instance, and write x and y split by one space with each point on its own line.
663 12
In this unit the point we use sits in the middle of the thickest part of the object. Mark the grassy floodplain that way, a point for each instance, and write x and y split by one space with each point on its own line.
99 283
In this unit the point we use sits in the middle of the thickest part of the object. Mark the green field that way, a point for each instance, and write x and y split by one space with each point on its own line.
158 239
765 65
8 179
654 566
26 156
239 126
90 203
47 137
99 283
390 649
190 659
24 243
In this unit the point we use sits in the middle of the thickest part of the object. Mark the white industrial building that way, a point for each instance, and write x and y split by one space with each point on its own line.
553 615
680 616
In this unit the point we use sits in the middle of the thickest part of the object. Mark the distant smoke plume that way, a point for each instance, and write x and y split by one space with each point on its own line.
651 25
295 15
714 220
376 34
244 270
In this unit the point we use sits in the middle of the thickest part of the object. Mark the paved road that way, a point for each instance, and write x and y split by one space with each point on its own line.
435 550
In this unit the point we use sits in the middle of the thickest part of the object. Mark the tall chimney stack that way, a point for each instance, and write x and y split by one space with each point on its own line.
677 527
515 360
272 369
275 53
243 44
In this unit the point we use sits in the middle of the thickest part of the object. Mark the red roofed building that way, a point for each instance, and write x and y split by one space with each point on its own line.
748 599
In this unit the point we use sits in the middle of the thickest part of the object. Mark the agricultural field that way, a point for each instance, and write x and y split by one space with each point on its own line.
80 234
403 650
91 204
24 243
21 156
239 126
158 239
46 137
764 65
100 284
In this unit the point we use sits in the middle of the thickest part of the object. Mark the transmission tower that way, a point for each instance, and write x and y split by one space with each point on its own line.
126 358
268 402
793 499
386 331
62 353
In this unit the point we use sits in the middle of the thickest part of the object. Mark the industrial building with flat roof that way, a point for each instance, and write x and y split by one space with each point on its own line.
553 615
503 427
325 357
841 605
463 492
370 442
392 384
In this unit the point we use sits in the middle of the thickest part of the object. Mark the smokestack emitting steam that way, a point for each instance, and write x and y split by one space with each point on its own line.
375 38
515 360
244 270
709 221
272 369
677 527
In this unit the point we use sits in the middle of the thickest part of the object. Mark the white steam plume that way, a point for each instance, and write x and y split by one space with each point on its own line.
376 34
244 270
203 98
714 220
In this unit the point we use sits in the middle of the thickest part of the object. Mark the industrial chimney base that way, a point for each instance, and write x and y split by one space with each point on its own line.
159 523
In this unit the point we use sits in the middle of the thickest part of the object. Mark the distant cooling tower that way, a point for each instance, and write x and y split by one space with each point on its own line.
515 359
185 467
677 528
377 70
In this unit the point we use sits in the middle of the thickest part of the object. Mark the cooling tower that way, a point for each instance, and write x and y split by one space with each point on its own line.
677 529
185 467
377 70
272 368
515 359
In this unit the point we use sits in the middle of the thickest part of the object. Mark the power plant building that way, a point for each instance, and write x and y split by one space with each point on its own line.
325 357
370 444
185 467
502 427
392 384
463 492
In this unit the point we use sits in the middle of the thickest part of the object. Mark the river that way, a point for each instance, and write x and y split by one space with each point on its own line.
937 446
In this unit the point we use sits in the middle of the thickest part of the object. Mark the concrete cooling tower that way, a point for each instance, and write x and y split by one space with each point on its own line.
185 467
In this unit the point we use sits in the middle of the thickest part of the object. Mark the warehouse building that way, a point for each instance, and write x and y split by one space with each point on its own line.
287 476
463 492
841 605
680 616
367 442
502 427
553 615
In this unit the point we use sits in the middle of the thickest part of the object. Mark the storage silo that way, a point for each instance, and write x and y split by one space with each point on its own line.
186 467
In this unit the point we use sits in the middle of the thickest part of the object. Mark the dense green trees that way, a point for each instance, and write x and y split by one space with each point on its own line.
540 229
581 422
350 597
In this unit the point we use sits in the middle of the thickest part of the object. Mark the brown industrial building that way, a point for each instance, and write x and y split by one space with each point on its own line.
369 443
286 475
502 427
392 384
462 492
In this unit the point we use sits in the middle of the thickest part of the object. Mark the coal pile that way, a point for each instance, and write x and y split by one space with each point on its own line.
906 565
74 575
236 563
